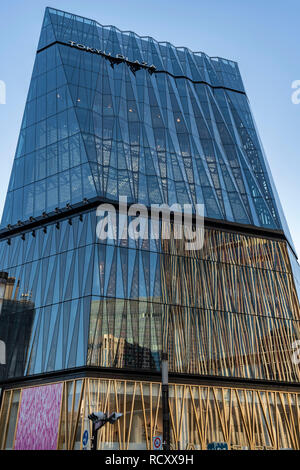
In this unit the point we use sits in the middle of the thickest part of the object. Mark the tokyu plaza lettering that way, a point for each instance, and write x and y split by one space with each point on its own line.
134 66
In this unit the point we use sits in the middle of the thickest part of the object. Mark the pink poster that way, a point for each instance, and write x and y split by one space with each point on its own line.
37 427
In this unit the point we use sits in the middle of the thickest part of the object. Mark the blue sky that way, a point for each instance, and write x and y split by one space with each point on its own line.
262 36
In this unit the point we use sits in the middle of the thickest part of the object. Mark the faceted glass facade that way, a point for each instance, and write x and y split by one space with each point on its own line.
183 134
83 301
112 114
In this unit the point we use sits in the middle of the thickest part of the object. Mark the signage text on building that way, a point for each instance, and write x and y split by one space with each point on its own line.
119 58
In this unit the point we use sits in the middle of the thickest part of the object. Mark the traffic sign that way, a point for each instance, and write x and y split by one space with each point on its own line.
157 443
85 438
217 446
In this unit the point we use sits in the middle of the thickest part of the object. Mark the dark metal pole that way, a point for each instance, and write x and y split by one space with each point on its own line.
165 401
94 437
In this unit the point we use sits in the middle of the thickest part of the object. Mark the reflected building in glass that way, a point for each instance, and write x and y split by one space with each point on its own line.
85 321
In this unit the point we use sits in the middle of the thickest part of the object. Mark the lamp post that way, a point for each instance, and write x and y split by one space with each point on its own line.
165 401
99 419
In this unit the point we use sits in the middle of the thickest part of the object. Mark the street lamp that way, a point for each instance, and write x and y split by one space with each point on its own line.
99 419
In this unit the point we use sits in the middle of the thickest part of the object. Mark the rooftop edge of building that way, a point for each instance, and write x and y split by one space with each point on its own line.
93 21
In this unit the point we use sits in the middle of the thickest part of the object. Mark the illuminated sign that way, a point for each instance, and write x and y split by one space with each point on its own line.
119 58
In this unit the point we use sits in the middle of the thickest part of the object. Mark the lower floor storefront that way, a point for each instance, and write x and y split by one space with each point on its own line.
55 415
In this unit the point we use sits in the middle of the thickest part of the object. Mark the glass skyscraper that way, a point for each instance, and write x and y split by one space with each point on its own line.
85 321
